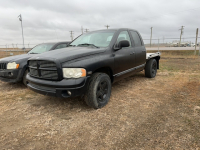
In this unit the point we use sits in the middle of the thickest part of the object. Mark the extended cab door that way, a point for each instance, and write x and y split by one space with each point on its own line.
124 58
139 48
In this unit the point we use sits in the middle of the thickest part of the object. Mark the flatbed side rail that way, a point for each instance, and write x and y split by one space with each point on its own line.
152 55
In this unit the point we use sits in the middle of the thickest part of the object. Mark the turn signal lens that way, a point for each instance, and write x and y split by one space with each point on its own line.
17 66
83 72
12 65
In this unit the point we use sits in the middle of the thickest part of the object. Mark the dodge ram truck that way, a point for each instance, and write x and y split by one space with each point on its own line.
14 68
90 64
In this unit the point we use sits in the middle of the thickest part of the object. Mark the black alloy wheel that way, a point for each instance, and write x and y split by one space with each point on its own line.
102 91
99 90
151 68
154 68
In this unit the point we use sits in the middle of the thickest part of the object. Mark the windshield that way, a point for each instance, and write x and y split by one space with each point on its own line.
41 48
97 39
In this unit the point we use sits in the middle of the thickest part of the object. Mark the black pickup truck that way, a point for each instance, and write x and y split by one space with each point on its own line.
14 68
89 65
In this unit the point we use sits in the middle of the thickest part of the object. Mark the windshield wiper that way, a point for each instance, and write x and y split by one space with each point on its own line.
33 53
71 45
88 45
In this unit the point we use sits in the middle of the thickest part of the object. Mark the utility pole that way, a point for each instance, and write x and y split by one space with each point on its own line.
151 36
20 19
71 34
163 39
196 40
199 50
107 26
82 29
86 30
182 27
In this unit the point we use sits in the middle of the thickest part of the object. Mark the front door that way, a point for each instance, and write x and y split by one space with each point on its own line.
124 58
140 51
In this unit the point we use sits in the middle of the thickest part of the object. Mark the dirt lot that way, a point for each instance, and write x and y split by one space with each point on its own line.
159 113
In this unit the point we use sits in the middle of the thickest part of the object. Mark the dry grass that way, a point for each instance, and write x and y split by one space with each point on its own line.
12 51
159 113
7 54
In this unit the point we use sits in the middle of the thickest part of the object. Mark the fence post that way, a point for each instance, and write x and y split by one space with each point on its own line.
196 40
6 49
199 50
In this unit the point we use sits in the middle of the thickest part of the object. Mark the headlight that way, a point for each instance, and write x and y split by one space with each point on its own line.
74 72
12 65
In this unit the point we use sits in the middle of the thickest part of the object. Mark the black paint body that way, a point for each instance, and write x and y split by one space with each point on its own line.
117 63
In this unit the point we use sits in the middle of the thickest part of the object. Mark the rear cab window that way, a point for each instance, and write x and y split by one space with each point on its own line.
136 39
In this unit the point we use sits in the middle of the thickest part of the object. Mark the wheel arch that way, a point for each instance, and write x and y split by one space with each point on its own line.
157 58
106 70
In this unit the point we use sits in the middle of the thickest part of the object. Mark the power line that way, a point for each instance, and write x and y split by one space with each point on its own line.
174 38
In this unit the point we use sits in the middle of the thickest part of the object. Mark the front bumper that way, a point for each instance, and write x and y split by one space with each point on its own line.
11 75
77 87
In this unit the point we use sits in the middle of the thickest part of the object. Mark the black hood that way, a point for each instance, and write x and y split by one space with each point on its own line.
17 58
69 53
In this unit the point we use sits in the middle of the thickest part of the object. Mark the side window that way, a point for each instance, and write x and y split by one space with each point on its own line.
123 36
136 38
61 46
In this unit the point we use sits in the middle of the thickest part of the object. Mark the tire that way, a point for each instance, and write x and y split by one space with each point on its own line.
151 68
24 78
99 90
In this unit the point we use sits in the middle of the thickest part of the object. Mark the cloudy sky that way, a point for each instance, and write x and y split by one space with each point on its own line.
48 20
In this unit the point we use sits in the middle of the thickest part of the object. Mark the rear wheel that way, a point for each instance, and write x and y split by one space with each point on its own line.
99 90
24 78
151 68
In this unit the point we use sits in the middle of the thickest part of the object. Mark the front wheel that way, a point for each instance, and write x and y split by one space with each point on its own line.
99 90
151 68
24 78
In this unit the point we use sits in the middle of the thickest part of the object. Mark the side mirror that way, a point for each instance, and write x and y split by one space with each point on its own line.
123 43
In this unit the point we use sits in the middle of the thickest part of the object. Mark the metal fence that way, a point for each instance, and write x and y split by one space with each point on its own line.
164 44
14 49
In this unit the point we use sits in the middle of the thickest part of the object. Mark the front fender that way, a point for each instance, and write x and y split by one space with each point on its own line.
91 63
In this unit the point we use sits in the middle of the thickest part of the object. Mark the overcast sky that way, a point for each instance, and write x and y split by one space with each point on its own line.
47 20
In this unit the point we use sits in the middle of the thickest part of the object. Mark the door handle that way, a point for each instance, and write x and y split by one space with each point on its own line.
132 53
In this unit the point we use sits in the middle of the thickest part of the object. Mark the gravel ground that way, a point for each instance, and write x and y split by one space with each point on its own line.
159 113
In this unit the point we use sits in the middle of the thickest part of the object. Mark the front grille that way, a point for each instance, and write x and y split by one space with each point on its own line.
42 63
2 66
43 69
